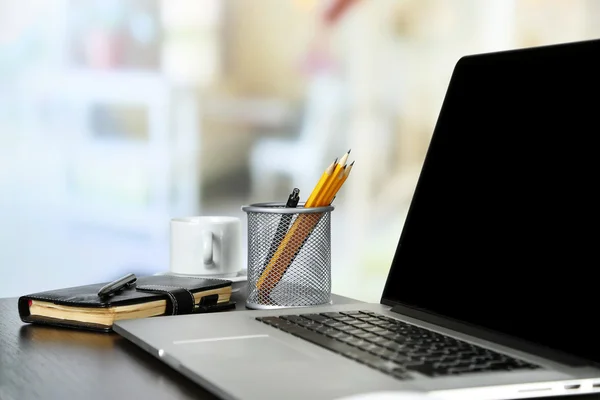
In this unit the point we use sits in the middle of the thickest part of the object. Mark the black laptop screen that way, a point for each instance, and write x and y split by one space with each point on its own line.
503 227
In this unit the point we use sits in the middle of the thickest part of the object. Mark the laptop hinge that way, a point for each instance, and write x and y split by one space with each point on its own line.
491 336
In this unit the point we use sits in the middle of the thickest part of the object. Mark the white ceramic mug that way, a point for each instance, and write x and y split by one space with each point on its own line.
206 246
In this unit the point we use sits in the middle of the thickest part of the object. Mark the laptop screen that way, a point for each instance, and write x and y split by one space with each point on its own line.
502 231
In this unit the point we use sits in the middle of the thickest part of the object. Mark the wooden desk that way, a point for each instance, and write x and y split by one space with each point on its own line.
38 362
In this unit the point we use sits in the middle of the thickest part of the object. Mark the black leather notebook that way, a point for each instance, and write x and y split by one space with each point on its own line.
81 307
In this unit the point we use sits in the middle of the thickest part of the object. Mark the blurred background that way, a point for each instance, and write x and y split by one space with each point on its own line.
116 115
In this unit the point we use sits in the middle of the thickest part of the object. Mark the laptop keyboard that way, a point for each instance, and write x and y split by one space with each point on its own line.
391 346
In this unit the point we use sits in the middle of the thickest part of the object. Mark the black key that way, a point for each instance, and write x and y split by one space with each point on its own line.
402 328
378 340
418 354
396 338
479 368
332 314
354 331
399 358
314 327
451 350
334 333
385 353
468 354
324 329
425 369
333 323
400 373
356 342
375 329
385 343
479 360
354 322
451 341
384 318
346 328
438 342
369 312
380 322
305 322
492 362
525 364
322 341
450 357
365 335
410 339
355 354
344 319
292 318
351 313
380 351
494 356
370 347
459 370
501 367
274 321
343 336
447 364
414 362
395 346
315 317
437 358
384 366
269 320
371 320
293 329
463 363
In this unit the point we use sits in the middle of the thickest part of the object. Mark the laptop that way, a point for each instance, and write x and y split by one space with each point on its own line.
491 293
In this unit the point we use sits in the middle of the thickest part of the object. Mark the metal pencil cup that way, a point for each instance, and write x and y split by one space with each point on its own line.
289 256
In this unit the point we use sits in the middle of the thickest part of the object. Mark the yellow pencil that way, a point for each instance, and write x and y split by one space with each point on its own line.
326 174
331 195
321 200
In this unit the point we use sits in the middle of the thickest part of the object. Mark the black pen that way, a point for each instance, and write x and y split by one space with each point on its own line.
117 285
284 224
293 199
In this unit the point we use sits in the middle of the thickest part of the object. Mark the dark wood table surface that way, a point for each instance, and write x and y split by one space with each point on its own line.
38 362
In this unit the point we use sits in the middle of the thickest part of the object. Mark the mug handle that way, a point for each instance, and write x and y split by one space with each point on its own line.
207 243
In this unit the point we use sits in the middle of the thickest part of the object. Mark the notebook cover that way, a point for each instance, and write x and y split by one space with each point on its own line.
177 291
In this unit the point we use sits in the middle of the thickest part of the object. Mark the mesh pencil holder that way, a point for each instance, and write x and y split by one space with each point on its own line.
289 256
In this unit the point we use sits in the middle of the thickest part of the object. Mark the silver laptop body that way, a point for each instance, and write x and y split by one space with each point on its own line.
494 253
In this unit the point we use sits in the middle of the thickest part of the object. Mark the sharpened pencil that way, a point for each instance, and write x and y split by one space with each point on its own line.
319 186
321 199
339 185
